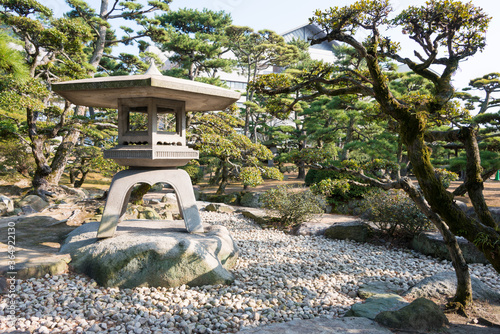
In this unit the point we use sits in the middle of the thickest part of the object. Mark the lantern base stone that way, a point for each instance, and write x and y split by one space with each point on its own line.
121 188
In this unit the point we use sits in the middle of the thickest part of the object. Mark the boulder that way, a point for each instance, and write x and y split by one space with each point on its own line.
35 202
461 205
169 198
79 193
320 224
148 213
157 187
232 198
421 314
27 210
219 207
357 231
6 205
153 253
321 326
376 304
251 200
444 284
370 289
258 215
432 243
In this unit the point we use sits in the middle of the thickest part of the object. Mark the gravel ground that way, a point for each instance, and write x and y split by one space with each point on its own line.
279 278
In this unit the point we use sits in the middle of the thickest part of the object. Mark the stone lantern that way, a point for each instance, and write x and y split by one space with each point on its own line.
151 134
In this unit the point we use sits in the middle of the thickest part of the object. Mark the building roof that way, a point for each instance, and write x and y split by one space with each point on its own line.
307 32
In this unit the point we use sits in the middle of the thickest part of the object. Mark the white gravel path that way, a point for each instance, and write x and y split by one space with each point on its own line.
278 278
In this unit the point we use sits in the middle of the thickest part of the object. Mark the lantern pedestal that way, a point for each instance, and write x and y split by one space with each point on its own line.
124 181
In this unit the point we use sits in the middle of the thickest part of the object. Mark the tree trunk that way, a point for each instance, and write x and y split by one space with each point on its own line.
224 180
73 174
79 183
61 156
100 44
463 295
348 138
302 172
486 238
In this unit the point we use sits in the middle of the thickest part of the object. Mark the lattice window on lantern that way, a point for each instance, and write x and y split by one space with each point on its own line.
167 120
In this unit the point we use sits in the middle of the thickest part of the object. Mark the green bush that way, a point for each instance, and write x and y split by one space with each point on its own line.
292 206
194 170
251 176
334 186
394 212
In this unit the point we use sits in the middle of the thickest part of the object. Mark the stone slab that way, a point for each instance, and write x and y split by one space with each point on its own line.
444 284
349 325
319 225
432 243
376 304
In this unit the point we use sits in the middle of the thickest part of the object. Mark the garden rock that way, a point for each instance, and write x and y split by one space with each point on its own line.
321 326
79 193
421 314
27 210
432 243
444 284
154 201
321 224
153 253
367 290
148 213
6 205
169 198
376 304
35 202
251 200
461 205
258 215
219 207
232 199
357 231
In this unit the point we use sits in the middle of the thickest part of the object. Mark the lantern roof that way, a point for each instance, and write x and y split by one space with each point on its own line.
104 92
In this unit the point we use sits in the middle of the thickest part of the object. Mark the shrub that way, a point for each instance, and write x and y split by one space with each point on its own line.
251 176
334 186
194 170
292 207
394 212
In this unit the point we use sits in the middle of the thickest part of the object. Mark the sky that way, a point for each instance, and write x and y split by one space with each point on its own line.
282 16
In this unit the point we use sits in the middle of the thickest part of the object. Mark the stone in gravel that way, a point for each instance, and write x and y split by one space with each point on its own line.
461 205
258 215
148 213
369 289
219 207
153 253
35 202
376 304
251 200
28 210
6 204
322 326
421 314
321 224
444 284
431 243
356 231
